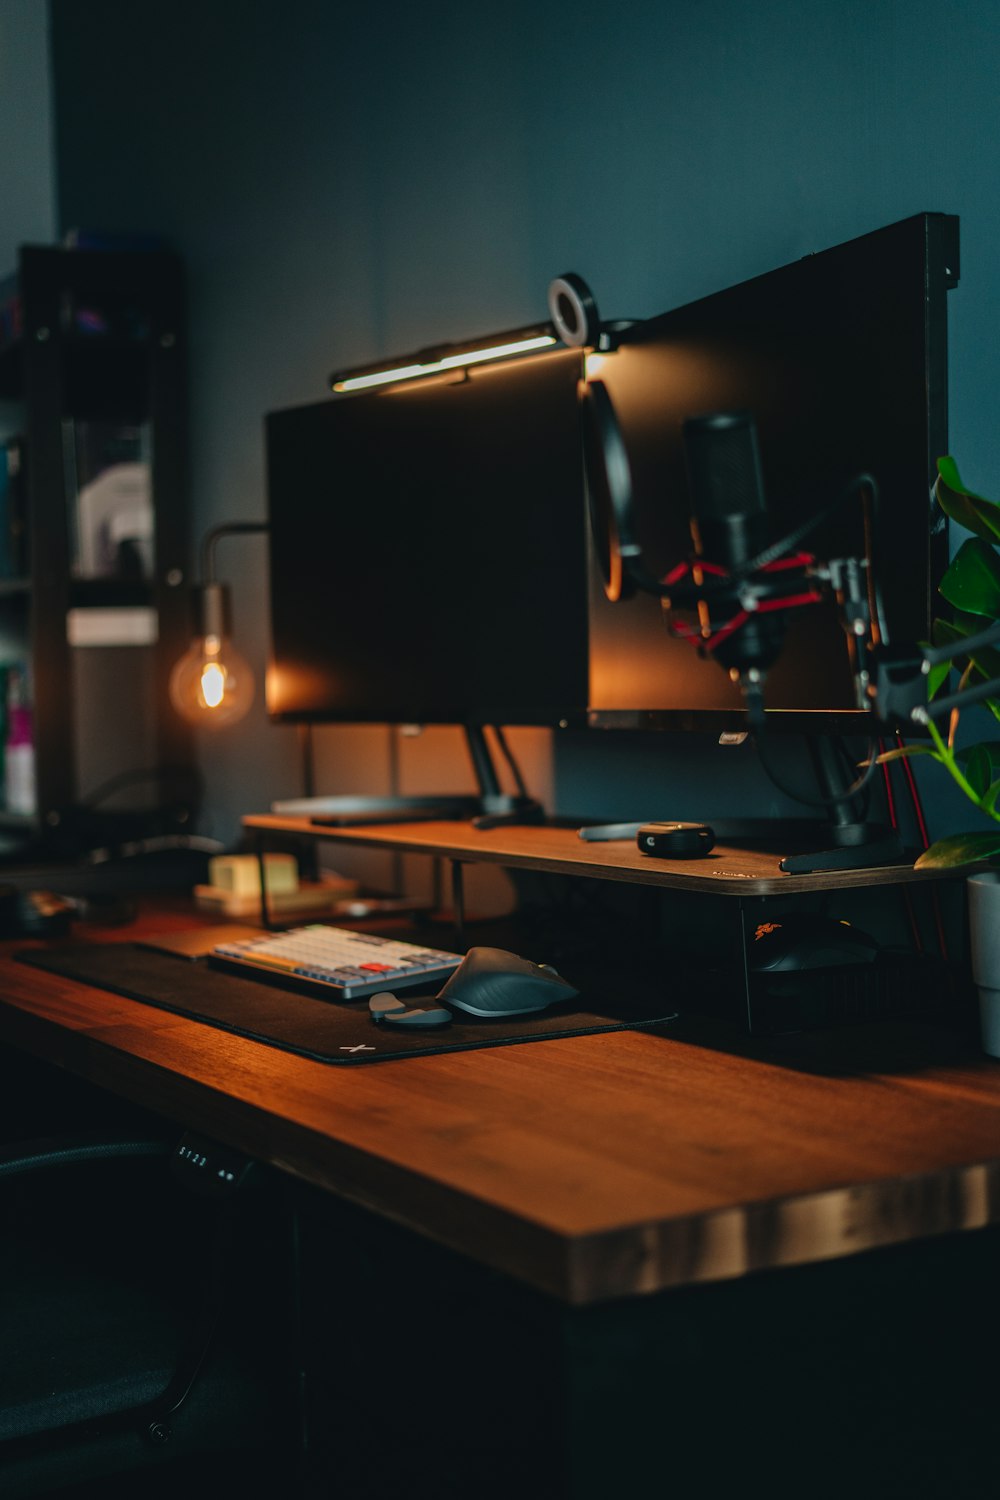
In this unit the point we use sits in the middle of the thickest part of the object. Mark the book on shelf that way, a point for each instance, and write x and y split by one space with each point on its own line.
17 743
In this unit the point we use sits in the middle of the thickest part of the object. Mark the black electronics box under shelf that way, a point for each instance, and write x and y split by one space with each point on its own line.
895 987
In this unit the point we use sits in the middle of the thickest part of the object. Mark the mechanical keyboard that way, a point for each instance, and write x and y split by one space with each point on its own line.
335 963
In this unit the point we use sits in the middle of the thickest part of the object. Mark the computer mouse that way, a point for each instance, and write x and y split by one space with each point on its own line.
807 941
491 982
385 1007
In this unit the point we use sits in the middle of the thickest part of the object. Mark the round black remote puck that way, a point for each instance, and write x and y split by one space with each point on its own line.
675 840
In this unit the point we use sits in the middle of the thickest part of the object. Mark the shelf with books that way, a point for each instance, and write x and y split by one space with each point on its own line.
93 528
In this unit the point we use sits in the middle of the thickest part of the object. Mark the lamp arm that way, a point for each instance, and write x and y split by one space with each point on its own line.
211 538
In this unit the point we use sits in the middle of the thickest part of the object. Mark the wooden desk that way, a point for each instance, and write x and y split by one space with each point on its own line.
657 1283
590 1167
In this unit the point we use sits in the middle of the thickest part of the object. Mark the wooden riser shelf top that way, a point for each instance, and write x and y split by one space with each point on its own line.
726 871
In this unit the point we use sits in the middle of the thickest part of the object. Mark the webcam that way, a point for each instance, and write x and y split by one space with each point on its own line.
574 311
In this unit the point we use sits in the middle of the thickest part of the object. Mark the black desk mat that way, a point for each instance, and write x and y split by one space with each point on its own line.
327 1031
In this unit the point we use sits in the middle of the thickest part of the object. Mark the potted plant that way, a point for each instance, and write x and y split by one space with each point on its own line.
971 586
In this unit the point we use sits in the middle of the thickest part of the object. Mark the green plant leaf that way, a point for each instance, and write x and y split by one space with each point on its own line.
980 516
971 586
955 628
990 748
948 633
972 582
959 849
980 766
937 677
986 659
904 752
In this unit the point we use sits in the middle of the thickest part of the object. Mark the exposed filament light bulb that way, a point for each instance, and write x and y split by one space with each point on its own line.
212 685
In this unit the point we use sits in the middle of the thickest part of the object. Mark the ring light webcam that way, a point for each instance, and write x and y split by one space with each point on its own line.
574 311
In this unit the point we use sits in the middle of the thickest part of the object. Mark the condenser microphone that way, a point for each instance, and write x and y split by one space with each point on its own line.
730 527
728 510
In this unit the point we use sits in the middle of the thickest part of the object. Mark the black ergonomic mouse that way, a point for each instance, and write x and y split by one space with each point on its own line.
807 941
491 982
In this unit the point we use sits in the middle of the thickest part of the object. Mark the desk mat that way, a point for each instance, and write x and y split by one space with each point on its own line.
327 1031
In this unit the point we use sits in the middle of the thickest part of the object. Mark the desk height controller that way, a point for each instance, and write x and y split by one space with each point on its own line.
207 1168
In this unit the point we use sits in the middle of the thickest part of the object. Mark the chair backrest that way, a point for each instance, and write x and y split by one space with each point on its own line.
126 1344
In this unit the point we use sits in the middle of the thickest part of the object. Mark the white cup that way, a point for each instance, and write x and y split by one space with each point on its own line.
984 953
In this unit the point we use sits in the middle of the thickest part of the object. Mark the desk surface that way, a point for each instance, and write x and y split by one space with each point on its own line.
588 1167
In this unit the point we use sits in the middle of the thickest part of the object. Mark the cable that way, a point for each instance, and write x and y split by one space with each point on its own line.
123 779
911 915
918 812
914 794
787 543
876 608
754 699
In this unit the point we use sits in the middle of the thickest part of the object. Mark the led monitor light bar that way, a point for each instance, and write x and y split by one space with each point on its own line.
444 357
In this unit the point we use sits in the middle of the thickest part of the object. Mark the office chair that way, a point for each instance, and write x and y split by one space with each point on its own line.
137 1354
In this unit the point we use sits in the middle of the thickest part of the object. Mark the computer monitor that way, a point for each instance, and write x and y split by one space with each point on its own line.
428 551
840 358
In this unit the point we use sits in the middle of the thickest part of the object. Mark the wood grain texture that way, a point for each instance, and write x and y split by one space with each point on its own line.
725 871
589 1167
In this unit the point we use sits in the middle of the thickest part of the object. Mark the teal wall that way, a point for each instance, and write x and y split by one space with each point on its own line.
350 181
27 181
27 178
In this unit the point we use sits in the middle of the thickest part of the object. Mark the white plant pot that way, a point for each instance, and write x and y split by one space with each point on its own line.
984 952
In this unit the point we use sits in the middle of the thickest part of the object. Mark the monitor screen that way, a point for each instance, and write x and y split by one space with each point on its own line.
428 551
841 360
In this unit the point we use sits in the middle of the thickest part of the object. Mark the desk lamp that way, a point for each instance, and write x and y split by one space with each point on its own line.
212 685
575 323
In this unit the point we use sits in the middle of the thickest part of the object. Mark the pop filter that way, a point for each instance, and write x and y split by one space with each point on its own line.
609 495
